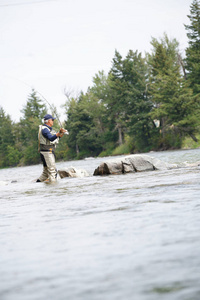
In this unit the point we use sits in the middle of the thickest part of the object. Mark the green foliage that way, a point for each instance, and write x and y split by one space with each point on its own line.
87 120
193 50
6 137
109 150
31 155
189 143
34 107
169 140
33 112
83 136
173 102
122 149
128 103
13 156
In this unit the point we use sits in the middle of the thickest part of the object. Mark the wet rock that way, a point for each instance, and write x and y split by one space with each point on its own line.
138 163
132 163
72 172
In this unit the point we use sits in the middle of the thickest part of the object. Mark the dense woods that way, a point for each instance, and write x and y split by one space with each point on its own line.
144 103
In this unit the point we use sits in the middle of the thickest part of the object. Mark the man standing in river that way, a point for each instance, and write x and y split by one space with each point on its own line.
47 139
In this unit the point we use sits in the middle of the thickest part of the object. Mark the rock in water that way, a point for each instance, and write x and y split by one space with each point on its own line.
138 163
132 163
72 172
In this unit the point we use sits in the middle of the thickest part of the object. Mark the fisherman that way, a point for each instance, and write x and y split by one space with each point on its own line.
47 139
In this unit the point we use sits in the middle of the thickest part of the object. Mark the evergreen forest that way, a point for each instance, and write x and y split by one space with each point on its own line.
144 103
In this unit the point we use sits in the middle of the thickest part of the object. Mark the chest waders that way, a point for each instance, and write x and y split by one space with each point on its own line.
47 154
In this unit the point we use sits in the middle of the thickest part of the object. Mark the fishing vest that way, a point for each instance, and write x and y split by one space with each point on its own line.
44 143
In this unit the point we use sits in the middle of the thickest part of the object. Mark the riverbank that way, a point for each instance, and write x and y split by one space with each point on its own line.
124 149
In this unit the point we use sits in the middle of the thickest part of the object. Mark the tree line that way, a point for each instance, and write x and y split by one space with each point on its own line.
144 103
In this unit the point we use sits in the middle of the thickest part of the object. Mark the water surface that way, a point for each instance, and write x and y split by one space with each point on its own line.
133 236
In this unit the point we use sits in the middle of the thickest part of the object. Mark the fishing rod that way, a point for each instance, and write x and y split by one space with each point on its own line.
53 110
51 107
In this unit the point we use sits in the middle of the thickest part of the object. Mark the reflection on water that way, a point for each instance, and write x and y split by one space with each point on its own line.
133 236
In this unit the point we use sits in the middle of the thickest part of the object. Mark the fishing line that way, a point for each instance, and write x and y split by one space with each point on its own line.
51 107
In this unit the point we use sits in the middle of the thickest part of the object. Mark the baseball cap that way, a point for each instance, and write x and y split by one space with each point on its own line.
47 117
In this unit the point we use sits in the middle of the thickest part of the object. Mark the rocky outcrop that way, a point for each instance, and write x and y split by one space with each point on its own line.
72 172
132 163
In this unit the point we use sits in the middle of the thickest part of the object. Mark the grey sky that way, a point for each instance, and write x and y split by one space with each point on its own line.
55 44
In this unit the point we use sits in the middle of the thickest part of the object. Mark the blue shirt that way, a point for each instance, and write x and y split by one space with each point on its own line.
47 134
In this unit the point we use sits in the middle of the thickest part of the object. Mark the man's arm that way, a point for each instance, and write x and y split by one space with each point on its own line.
47 134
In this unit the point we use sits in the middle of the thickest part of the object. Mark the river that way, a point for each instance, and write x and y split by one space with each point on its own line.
119 237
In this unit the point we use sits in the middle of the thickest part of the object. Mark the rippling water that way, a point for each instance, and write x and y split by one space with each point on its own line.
133 236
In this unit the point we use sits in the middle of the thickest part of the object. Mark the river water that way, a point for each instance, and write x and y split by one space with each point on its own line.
117 237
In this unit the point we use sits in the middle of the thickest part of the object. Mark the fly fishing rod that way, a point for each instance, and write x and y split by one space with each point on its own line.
53 110
51 107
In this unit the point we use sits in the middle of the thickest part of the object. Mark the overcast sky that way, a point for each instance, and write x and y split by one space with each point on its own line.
52 45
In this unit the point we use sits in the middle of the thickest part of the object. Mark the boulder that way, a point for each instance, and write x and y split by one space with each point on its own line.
72 172
139 163
132 163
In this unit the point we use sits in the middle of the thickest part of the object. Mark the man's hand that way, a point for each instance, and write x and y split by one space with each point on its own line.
64 131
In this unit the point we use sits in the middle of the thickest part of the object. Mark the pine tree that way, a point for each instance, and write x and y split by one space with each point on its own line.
116 97
34 107
7 139
127 101
174 105
96 101
83 140
193 50
33 113
138 106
